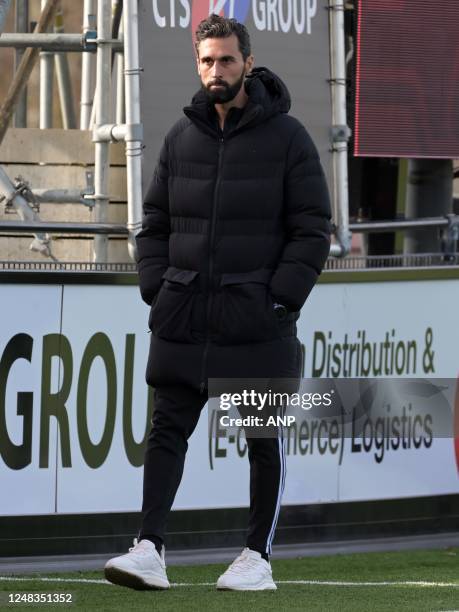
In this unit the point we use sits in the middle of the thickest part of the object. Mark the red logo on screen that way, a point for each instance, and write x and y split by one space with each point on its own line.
200 10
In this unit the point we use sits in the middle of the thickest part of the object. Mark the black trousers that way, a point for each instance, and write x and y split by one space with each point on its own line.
175 416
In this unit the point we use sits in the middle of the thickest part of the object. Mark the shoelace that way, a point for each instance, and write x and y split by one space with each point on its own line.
243 563
140 548
144 551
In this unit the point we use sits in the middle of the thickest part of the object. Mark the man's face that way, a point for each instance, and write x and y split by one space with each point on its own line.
222 68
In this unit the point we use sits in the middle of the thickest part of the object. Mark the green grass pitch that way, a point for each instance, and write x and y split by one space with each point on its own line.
396 581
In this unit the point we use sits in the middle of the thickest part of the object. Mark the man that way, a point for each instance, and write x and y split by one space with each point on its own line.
235 233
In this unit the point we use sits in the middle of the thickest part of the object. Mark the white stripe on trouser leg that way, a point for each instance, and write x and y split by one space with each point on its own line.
281 446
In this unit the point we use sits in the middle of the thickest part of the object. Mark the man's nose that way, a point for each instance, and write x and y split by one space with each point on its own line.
216 70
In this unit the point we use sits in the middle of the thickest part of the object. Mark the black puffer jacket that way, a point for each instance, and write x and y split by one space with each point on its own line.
232 223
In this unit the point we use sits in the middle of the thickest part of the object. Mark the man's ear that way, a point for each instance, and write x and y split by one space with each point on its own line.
249 62
196 55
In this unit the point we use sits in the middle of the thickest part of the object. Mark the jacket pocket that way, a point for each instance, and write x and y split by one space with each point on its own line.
171 312
245 309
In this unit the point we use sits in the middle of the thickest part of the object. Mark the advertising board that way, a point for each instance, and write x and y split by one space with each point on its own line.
75 410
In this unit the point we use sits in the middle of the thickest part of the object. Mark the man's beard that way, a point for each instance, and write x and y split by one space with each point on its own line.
226 93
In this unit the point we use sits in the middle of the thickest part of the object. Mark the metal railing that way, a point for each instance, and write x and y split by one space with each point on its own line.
448 224
75 266
350 263
403 224
409 260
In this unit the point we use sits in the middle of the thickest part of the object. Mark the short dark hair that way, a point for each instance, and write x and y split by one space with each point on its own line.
222 27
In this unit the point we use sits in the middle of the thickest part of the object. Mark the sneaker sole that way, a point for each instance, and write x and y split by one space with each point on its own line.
132 581
270 586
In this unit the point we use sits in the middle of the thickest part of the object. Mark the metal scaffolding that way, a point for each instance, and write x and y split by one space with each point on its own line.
109 46
116 117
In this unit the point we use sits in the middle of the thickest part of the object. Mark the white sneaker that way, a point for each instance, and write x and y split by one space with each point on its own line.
249 572
141 568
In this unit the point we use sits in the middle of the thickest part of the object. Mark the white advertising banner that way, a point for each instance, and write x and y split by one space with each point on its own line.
390 329
74 407
107 400
30 316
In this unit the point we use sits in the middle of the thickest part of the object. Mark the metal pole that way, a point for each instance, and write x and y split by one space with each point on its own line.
120 98
63 196
22 25
64 81
27 227
87 63
340 129
133 147
92 115
103 114
400 225
23 73
429 194
117 70
46 85
57 42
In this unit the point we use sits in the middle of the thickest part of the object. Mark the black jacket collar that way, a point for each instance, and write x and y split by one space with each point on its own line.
267 94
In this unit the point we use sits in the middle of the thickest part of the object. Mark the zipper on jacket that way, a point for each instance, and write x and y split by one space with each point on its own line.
210 296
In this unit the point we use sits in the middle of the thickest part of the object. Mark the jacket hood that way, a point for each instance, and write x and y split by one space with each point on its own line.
266 88
268 95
